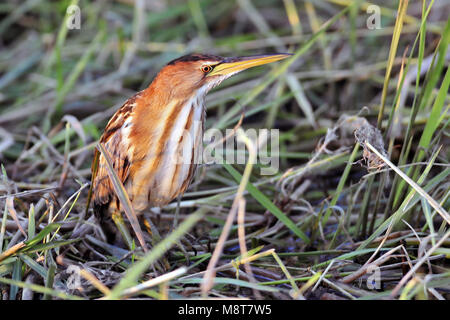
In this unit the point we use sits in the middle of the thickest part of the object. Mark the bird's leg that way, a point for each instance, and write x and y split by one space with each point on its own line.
183 249
147 226
177 213
152 230
164 264
120 224
174 226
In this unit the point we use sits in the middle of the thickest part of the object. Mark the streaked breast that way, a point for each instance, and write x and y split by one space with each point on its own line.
172 157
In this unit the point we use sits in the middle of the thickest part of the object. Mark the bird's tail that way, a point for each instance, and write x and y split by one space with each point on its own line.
94 170
103 215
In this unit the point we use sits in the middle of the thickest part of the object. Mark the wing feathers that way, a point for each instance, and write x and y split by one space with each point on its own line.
116 142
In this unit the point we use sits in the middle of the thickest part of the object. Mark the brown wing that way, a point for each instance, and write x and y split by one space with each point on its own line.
115 141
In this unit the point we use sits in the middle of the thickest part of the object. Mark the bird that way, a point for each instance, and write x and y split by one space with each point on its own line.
154 128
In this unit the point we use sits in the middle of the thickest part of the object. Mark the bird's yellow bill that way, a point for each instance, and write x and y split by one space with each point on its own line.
233 65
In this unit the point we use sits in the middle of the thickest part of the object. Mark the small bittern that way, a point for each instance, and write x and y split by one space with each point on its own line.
147 133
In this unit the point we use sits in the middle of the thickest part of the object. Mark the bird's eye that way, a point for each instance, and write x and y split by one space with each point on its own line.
206 68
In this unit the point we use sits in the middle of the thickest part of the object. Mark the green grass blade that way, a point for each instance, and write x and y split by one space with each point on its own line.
266 203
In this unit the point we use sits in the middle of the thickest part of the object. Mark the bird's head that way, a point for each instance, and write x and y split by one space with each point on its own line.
196 74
